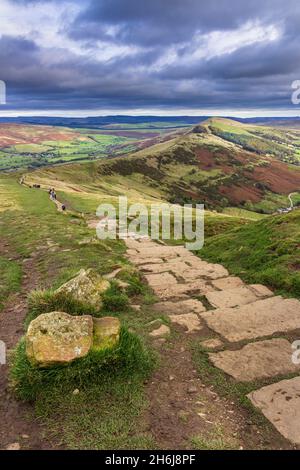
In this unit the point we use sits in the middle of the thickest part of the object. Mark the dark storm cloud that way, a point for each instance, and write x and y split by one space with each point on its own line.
58 76
157 22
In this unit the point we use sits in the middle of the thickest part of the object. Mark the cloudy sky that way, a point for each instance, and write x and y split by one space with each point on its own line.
234 57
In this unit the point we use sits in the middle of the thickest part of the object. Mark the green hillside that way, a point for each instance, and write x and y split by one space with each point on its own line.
281 143
266 251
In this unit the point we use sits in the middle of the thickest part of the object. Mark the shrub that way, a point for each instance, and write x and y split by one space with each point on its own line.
43 301
129 358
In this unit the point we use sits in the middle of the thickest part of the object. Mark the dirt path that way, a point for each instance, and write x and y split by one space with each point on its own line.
19 428
236 324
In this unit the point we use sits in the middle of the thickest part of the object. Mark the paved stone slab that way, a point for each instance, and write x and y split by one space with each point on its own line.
280 403
204 269
261 318
199 286
228 283
261 291
141 261
161 280
179 307
257 360
132 244
158 251
176 267
190 321
232 297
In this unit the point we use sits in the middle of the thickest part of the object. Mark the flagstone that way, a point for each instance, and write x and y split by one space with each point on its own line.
190 321
280 403
261 318
179 307
259 360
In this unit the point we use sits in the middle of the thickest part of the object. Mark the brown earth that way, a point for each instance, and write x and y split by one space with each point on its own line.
18 423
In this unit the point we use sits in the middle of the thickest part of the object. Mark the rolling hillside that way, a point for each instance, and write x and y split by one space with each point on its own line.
196 166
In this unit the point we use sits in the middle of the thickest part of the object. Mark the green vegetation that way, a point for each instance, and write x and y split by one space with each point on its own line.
265 251
10 278
265 140
47 300
89 147
112 379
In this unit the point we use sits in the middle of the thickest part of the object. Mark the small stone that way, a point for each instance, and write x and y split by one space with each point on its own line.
106 332
192 390
189 320
136 307
25 436
171 377
163 330
13 446
76 391
86 286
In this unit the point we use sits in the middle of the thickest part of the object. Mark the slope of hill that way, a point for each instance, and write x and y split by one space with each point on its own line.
267 251
283 144
196 166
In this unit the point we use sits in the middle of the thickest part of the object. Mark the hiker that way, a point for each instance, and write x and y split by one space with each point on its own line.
63 207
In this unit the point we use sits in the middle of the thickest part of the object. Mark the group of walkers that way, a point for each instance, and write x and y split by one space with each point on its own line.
52 194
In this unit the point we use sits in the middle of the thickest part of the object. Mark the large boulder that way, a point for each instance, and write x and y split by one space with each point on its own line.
106 332
57 338
86 286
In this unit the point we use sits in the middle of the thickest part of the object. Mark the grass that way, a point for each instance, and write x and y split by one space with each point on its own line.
10 278
265 252
214 440
114 299
47 300
110 402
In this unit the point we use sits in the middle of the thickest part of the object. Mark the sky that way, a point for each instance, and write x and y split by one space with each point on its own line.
163 57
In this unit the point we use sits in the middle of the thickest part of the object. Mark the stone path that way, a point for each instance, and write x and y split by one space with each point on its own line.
196 295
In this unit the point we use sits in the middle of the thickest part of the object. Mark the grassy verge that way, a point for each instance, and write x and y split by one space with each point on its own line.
10 278
265 251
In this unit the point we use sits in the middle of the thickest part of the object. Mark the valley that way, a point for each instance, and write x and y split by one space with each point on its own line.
199 405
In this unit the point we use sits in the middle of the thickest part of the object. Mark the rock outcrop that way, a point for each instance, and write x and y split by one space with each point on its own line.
57 338
86 286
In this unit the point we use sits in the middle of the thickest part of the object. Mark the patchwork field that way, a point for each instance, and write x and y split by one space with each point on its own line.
28 146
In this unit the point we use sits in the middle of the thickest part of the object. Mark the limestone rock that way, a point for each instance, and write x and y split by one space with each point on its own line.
255 361
280 403
106 332
57 338
87 286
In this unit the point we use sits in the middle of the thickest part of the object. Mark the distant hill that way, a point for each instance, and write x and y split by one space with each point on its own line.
200 166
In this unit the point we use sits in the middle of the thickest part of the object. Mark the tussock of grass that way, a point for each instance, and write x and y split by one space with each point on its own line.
114 299
128 359
43 301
